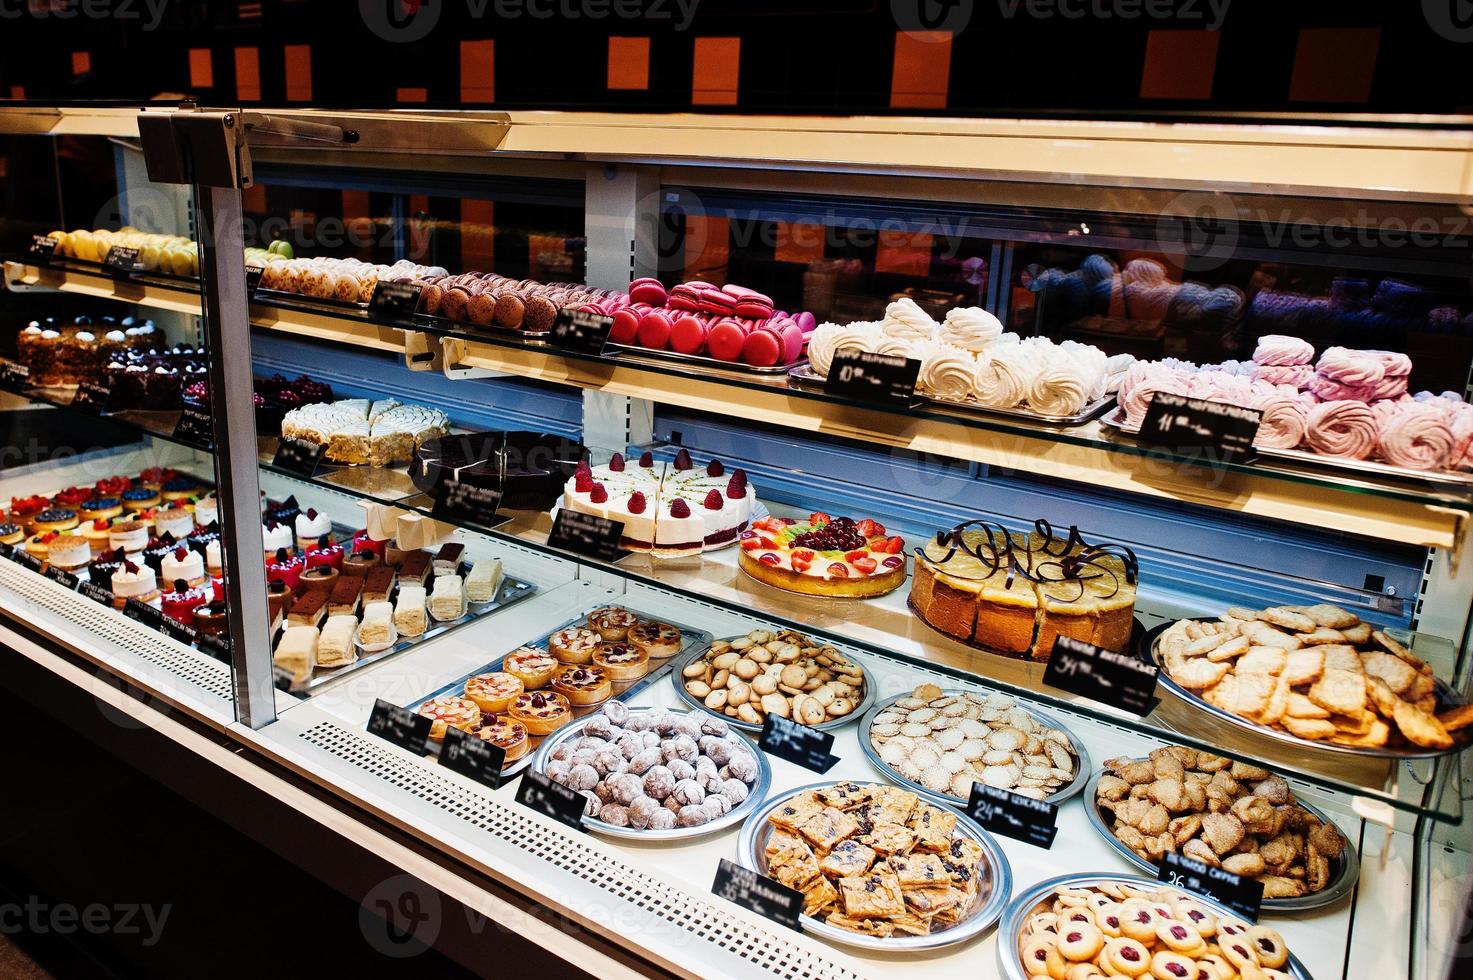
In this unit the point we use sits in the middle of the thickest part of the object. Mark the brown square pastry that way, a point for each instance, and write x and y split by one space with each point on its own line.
872 896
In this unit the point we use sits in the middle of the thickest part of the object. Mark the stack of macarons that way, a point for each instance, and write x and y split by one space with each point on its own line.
485 299
729 323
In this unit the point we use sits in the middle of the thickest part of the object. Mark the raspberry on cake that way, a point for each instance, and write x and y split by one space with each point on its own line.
825 556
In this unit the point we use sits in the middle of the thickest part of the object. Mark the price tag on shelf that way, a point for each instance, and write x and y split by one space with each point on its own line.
581 331
25 559
298 456
885 379
1019 817
14 376
799 744
93 396
96 593
1216 430
1117 679
550 799
394 300
42 249
7 552
253 279
586 534
123 258
406 729
1240 893
143 613
473 757
176 630
196 428
215 645
758 893
466 503
62 577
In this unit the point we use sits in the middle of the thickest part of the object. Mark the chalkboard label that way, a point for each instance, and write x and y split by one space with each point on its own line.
1195 425
885 379
406 729
581 331
758 893
93 396
394 300
466 503
473 757
1117 679
1240 893
550 799
25 559
7 552
299 456
62 577
1019 817
96 593
586 534
15 376
799 744
216 645
41 249
253 279
143 613
123 258
195 428
174 629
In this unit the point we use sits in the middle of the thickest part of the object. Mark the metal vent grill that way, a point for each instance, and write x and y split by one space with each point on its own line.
766 950
211 677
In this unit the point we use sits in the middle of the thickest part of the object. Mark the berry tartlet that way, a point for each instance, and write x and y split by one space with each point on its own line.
621 662
824 557
583 686
509 736
540 712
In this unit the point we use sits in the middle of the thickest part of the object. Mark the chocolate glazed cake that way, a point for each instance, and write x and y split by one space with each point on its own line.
1015 593
529 468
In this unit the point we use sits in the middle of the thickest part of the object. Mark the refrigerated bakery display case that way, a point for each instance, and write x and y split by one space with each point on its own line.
796 524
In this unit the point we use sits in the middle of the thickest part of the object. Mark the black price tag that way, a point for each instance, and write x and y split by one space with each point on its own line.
886 379
62 577
580 330
1019 817
298 456
41 249
394 300
7 552
550 799
93 396
473 757
96 593
586 534
253 279
466 503
799 744
143 613
15 376
123 258
216 645
1193 425
1117 679
25 559
406 729
1240 893
174 629
758 893
196 428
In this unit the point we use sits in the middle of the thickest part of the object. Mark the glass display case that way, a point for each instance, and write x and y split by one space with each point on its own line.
594 463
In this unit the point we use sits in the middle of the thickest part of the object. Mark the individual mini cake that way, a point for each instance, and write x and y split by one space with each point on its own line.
484 580
23 511
206 511
378 625
214 559
612 622
285 567
335 645
155 477
414 568
69 552
311 528
134 580
56 519
308 608
157 550
39 545
71 498
100 508
211 619
11 533
448 712
180 602
582 685
507 735
379 584
621 661
541 712
447 598
359 562
659 640
494 692
836 557
574 645
101 571
363 542
175 521
447 559
324 552
534 668
180 488
296 652
96 533
275 537
184 564
279 598
409 611
346 596
140 498
323 578
129 535
284 512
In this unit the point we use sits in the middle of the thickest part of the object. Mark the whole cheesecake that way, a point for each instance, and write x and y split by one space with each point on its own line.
826 556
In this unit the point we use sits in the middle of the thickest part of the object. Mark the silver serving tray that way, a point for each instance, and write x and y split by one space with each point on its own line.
1009 956
1347 865
805 376
1364 467
1445 699
691 638
634 351
1069 790
467 327
752 844
680 661
756 792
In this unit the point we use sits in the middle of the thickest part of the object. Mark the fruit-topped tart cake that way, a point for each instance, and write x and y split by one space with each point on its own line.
23 510
285 567
112 486
826 556
325 553
96 508
180 603
72 497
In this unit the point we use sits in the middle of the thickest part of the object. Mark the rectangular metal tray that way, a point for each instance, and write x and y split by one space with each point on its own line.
465 326
634 352
804 376
1364 467
691 639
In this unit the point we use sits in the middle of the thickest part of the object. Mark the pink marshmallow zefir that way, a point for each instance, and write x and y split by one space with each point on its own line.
1294 375
1346 429
1280 350
1285 418
1412 434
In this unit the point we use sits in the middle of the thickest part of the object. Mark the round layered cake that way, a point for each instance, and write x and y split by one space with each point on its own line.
826 556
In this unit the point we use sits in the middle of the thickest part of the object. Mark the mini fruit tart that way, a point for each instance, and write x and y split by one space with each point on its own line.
612 622
540 712
659 640
621 661
509 736
583 685
574 645
493 692
534 668
450 712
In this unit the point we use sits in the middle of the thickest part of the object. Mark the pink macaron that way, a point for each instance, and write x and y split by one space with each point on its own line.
626 327
762 348
654 330
725 339
650 291
688 334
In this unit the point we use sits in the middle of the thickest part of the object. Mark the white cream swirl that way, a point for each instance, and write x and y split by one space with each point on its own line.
1058 388
948 372
905 320
821 345
970 328
1003 375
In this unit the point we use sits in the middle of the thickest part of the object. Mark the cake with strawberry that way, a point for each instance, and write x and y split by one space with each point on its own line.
827 556
670 509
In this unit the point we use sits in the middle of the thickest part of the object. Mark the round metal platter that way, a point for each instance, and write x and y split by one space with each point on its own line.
678 679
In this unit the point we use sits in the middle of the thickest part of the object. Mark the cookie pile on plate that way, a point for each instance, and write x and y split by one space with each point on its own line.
947 741
1226 814
1316 672
783 673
